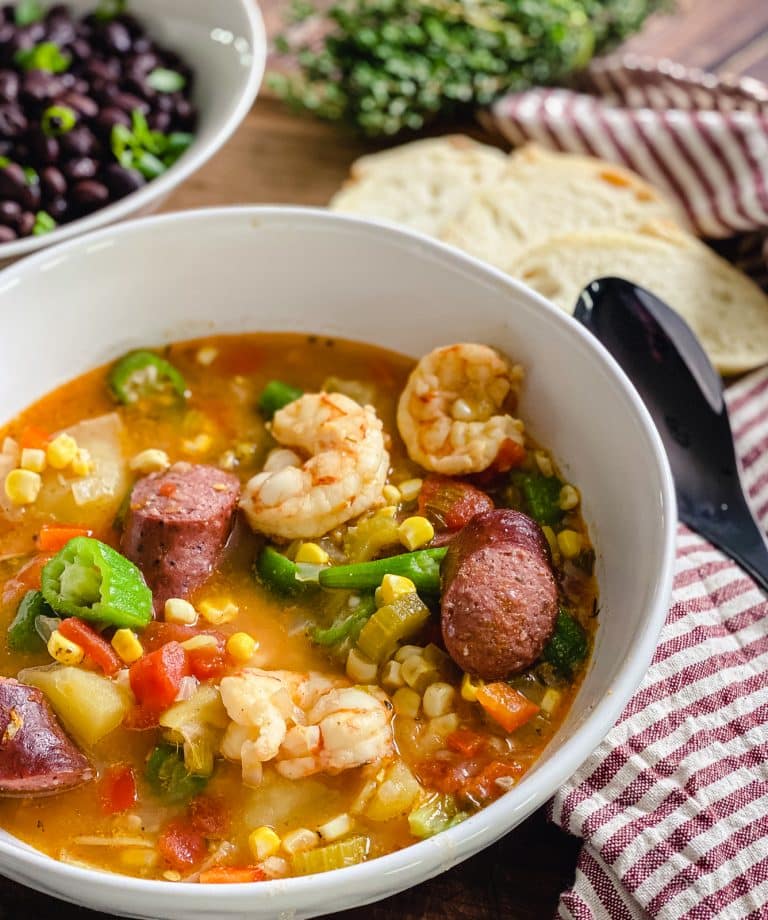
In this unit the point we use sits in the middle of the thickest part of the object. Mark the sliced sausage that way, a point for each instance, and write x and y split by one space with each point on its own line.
499 595
36 757
177 525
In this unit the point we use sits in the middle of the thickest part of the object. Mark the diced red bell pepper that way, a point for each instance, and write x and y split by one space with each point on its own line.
97 649
118 789
232 875
181 845
465 741
208 661
209 815
446 774
53 537
155 678
451 503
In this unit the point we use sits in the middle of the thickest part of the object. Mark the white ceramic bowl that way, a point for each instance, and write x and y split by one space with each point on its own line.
225 43
228 270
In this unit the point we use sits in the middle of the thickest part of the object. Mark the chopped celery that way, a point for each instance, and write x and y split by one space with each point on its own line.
346 627
275 396
168 776
541 494
370 536
422 567
199 722
568 646
391 624
22 635
437 814
334 856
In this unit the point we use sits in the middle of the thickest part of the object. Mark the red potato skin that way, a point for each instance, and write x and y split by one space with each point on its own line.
177 525
499 595
36 757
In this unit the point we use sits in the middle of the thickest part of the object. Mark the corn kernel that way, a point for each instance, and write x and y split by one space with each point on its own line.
407 651
438 699
391 494
206 356
469 688
552 540
275 867
360 668
388 511
194 643
444 725
409 490
406 702
550 701
33 458
126 643
197 445
151 460
241 646
64 650
418 673
395 586
337 827
312 553
569 497
219 612
415 531
228 460
544 463
177 610
61 451
263 842
391 676
81 465
171 875
22 486
569 543
300 840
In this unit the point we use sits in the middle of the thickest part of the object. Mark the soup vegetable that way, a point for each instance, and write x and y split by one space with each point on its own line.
274 605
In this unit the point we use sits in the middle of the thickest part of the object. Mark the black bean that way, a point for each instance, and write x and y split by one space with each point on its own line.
12 182
26 223
10 211
159 121
110 116
122 181
80 168
58 9
83 105
57 208
7 235
186 115
53 182
42 148
99 69
142 44
165 103
13 122
30 196
139 65
128 102
81 49
9 86
90 194
40 86
60 30
116 37
104 92
79 142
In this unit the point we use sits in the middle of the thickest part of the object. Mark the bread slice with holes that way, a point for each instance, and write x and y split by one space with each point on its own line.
726 310
543 194
423 184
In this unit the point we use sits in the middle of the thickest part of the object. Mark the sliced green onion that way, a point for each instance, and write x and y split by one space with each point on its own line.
57 120
166 81
149 165
275 396
44 223
178 142
45 56
27 12
4 161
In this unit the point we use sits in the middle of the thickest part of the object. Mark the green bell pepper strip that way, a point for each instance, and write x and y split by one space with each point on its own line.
275 395
169 779
422 567
276 572
542 496
22 635
141 373
348 627
568 646
90 580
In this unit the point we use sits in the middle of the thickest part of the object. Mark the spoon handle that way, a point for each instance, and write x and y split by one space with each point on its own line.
746 546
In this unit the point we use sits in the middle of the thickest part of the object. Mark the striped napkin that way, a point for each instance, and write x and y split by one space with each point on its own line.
673 805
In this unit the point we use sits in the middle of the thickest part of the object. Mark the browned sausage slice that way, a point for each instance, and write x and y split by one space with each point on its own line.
177 525
36 757
499 596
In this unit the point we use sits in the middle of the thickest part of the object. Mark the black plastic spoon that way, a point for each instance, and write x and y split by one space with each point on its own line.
684 394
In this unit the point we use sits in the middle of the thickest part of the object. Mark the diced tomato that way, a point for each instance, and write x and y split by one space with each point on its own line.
141 718
53 537
167 489
505 705
26 579
34 437
232 875
484 787
207 662
181 845
510 456
157 634
155 678
118 789
97 649
209 815
451 503
446 774
465 741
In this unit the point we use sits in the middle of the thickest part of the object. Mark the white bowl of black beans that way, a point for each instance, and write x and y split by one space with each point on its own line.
107 105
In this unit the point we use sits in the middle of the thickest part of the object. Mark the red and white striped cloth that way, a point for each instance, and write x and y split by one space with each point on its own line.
673 805
700 138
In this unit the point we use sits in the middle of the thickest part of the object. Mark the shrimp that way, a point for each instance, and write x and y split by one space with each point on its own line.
343 477
304 723
450 414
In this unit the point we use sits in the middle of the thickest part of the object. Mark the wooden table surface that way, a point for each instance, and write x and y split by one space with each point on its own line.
277 157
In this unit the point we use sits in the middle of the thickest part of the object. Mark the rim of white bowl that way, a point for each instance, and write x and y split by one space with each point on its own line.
197 154
425 859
